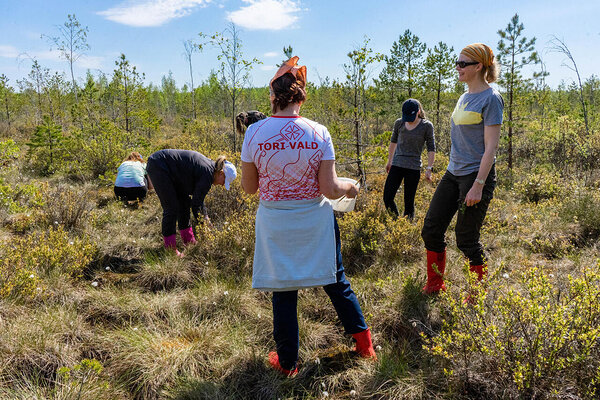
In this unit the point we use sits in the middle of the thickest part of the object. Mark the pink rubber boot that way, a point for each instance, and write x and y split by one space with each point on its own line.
171 243
187 235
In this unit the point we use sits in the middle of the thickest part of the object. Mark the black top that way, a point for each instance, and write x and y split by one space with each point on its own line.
191 172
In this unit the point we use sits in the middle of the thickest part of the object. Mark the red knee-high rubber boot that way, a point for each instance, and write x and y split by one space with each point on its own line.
364 345
480 270
436 266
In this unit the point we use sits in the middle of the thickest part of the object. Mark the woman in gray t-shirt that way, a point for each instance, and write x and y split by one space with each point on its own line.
411 133
468 184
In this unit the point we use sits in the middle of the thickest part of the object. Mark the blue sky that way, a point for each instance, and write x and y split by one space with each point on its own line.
322 32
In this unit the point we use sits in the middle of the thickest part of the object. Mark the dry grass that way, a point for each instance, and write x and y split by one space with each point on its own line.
193 328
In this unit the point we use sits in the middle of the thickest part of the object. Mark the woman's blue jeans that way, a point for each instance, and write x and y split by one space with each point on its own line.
285 317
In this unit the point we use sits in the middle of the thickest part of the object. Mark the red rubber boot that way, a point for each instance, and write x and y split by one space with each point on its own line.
436 266
364 345
481 271
274 362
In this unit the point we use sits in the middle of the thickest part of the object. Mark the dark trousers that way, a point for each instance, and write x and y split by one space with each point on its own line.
449 198
285 317
131 193
392 183
176 206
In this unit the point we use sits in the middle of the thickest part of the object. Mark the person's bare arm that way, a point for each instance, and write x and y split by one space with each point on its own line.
330 186
491 137
249 177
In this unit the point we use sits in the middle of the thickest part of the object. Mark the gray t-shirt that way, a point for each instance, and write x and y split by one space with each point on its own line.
473 111
410 143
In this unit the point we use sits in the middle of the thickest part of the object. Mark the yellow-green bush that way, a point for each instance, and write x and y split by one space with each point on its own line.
16 280
536 340
48 253
401 242
538 186
583 208
21 196
9 152
362 232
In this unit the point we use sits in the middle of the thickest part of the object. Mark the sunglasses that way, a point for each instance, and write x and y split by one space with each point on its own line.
463 64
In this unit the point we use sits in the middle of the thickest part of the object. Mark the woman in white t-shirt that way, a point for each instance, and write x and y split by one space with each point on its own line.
291 161
132 182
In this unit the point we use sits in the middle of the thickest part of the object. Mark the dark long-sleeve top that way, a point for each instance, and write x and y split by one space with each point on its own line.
192 174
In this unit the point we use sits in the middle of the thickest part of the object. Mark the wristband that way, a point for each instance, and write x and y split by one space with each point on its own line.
429 168
480 181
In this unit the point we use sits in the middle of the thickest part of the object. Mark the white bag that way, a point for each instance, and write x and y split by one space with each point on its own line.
344 204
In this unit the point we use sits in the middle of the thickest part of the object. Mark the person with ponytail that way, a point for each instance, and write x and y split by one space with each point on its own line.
177 175
246 118
469 182
291 160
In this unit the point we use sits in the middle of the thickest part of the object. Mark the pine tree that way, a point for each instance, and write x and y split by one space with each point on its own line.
512 45
46 144
404 66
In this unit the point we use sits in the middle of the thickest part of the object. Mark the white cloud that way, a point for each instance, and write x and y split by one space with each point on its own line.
150 13
268 67
85 61
8 51
271 54
90 62
47 55
266 14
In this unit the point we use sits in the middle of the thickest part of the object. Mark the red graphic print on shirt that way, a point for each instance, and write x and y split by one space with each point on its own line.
287 154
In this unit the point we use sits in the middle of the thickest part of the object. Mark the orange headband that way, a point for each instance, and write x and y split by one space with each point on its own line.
479 52
291 66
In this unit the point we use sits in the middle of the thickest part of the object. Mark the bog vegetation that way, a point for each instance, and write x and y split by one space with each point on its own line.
91 307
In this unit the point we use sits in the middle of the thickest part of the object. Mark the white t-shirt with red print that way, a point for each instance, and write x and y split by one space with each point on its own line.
287 152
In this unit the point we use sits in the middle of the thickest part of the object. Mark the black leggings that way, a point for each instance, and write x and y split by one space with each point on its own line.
131 193
449 197
392 183
176 205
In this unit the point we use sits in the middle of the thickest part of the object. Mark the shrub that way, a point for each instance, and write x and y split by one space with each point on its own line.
230 246
104 151
18 198
537 187
83 380
537 342
67 206
362 233
46 253
16 280
401 242
9 152
551 244
583 208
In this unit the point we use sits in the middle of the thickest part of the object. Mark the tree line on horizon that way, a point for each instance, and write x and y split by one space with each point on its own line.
90 123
